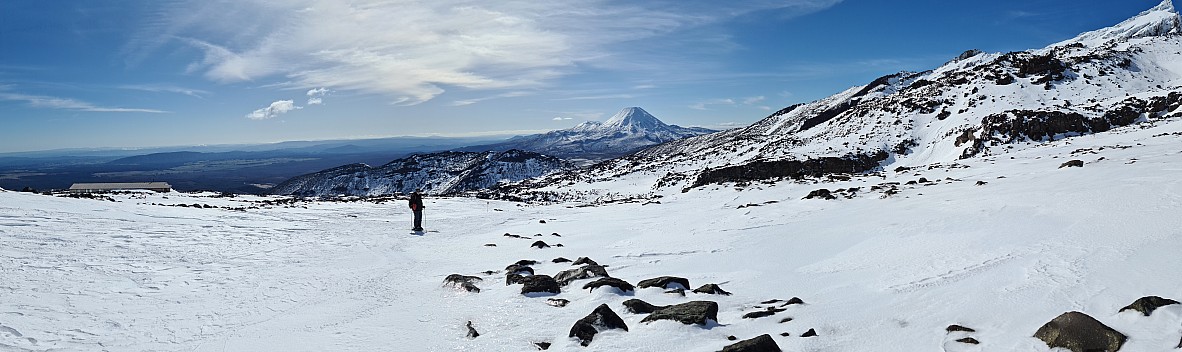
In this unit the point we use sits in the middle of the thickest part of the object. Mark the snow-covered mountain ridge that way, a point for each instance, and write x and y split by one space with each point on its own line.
433 173
628 130
978 104
998 244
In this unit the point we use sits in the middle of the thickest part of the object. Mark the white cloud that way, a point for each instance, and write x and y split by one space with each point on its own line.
563 118
413 51
41 101
498 96
316 95
275 109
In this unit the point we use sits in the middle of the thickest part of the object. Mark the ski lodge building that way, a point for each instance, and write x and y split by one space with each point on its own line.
162 187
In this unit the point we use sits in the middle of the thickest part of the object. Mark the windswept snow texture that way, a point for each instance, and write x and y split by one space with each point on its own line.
876 274
627 131
434 173
975 105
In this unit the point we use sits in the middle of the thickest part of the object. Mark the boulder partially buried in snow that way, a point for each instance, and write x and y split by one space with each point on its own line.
665 282
601 318
1146 305
761 343
584 272
539 284
1079 332
637 306
711 289
468 283
621 285
696 312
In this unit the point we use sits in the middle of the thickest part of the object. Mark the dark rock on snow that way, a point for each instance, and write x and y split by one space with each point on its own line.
794 300
664 282
1146 305
465 282
585 272
732 337
1072 163
542 346
557 302
1079 332
518 269
622 285
969 340
820 194
540 244
637 306
955 327
584 261
526 262
711 289
762 313
696 312
785 320
560 260
513 278
761 343
539 284
601 318
809 333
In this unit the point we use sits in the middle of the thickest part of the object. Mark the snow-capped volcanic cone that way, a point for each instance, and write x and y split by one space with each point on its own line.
629 130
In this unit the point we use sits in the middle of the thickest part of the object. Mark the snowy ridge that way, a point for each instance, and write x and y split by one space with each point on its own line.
435 173
625 132
1158 21
976 105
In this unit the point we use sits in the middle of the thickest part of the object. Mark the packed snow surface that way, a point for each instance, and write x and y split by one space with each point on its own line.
876 272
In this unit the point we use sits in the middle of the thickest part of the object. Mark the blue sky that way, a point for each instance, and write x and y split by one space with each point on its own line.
128 73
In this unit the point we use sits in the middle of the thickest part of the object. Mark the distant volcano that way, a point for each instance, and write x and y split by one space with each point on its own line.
627 131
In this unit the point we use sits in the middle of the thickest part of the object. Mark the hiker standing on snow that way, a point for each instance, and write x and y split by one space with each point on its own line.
416 205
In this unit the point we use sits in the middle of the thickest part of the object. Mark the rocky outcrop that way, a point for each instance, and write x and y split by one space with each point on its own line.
1146 305
696 312
792 169
761 343
1079 332
601 318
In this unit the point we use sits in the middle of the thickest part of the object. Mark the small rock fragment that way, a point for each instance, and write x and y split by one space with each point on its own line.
809 333
560 260
696 312
472 331
666 282
969 340
622 285
955 327
540 245
542 346
557 302
1072 163
637 306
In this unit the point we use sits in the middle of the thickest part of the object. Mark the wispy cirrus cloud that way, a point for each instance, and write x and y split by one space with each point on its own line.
59 103
497 96
413 51
164 88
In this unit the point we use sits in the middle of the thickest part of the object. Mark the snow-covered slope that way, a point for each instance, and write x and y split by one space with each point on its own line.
625 132
976 105
994 244
433 173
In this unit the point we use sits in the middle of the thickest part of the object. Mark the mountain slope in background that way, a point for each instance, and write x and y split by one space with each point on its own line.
627 131
977 105
434 173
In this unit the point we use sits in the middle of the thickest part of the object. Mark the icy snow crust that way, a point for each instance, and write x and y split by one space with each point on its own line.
876 274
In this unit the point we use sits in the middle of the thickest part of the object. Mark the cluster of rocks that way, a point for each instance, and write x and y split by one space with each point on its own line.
694 312
1075 331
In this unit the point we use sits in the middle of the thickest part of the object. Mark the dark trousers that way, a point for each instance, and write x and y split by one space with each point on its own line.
418 219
